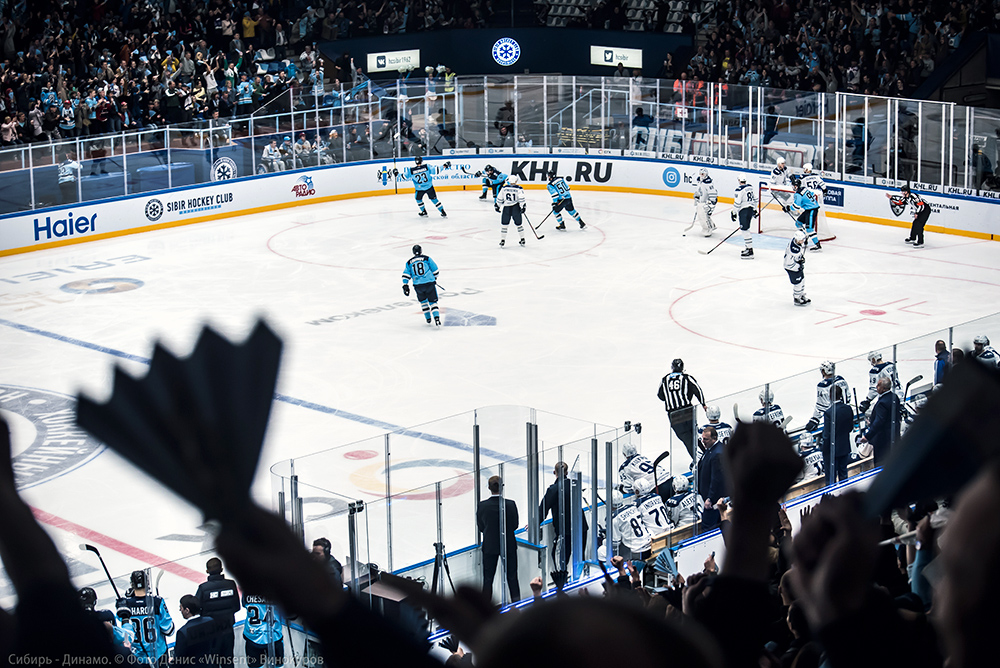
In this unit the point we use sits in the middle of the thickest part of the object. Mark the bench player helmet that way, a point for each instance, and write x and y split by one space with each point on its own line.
681 484
982 340
88 598
874 357
827 368
642 486
677 365
617 499
766 396
138 579
417 250
713 413
629 449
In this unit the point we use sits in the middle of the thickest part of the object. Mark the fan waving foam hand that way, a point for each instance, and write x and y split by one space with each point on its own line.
196 425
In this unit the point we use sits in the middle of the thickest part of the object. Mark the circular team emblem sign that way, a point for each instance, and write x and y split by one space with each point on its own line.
97 286
224 169
671 177
47 442
506 51
154 209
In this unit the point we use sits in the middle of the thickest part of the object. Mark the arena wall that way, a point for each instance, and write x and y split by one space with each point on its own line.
957 212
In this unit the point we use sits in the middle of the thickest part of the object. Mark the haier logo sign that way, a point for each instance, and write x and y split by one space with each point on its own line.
390 61
612 55
64 227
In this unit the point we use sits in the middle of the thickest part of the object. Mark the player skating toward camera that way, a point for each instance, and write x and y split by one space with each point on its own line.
423 271
562 201
745 210
824 392
511 202
705 199
423 183
795 261
806 209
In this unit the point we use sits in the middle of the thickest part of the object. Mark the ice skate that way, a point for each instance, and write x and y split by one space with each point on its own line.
747 254
583 225
801 300
437 321
561 226
918 244
422 213
521 242
443 214
818 247
908 240
502 241
483 196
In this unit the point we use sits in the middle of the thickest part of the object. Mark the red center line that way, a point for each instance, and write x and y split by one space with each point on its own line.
122 548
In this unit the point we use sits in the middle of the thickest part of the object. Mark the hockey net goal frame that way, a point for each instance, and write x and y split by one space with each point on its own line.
771 219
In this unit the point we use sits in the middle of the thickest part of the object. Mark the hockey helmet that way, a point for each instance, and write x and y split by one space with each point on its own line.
742 178
681 484
88 598
827 368
875 356
905 187
800 237
617 499
982 340
629 449
795 181
417 250
766 396
418 160
138 579
713 413
805 441
702 174
677 365
512 180
781 162
807 168
552 176
642 486
489 169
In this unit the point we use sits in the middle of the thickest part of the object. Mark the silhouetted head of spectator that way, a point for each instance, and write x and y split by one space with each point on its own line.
587 632
214 565
494 484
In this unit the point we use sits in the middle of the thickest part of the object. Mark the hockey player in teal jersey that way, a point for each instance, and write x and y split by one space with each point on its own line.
562 200
423 272
151 622
264 641
806 205
423 183
492 180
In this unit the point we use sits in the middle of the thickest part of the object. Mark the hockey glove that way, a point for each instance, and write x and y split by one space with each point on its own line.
478 174
496 207
732 214
524 208
863 406
447 165
450 644
753 213
812 424
406 289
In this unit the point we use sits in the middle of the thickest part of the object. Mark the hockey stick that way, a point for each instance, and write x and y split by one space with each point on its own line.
527 220
736 412
785 421
156 584
693 221
543 220
91 548
913 380
291 643
720 243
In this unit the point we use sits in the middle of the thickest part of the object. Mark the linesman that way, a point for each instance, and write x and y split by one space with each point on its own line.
676 391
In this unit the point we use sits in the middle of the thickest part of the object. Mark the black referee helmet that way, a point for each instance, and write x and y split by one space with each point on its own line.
677 365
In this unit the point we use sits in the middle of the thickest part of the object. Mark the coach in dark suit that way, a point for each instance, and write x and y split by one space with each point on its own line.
550 503
838 423
488 520
711 478
884 428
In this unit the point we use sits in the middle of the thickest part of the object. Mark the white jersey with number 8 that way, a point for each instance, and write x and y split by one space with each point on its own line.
630 529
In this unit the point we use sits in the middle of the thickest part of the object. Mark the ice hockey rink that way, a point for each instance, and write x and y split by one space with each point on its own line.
580 323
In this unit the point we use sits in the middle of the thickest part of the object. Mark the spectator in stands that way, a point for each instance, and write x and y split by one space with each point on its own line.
942 361
981 166
640 124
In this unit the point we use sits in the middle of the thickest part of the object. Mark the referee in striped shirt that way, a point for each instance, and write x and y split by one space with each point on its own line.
676 391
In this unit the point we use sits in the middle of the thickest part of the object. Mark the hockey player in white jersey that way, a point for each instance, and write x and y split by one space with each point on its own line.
654 513
768 411
636 466
795 262
511 201
813 181
745 209
683 507
879 368
812 458
724 430
705 199
630 533
779 175
824 392
984 352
